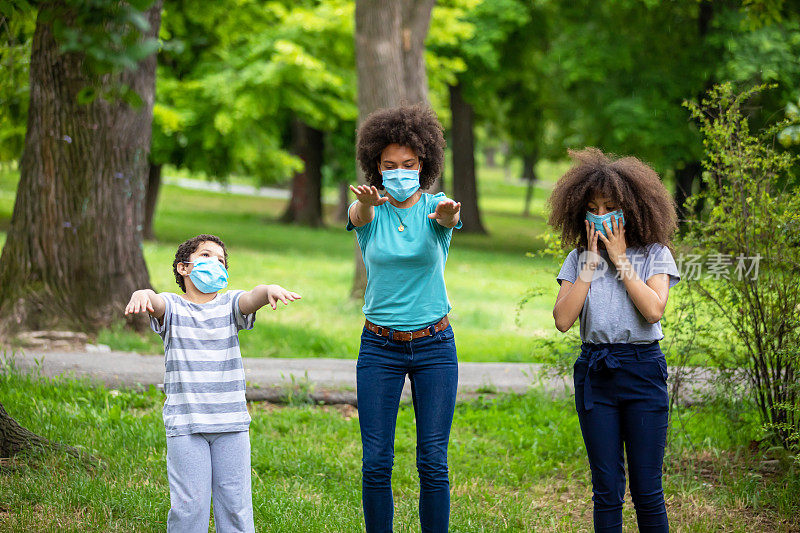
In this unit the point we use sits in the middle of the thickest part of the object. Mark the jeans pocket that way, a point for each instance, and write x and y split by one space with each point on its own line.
373 339
446 335
662 366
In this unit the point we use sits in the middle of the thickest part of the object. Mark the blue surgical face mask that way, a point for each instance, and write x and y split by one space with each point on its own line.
401 183
208 275
598 220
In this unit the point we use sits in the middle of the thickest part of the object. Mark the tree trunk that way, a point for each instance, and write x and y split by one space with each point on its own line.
73 253
686 177
151 199
305 205
415 24
390 41
529 175
684 182
465 187
490 156
15 439
344 202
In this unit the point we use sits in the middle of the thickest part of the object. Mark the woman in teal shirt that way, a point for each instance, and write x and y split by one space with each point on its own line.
404 238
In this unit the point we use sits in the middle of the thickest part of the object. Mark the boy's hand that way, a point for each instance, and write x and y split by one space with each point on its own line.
277 293
252 301
140 302
146 300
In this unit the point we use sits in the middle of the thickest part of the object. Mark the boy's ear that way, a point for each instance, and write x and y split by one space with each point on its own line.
183 269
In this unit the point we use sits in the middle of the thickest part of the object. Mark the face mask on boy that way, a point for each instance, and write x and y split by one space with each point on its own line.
401 183
598 220
208 275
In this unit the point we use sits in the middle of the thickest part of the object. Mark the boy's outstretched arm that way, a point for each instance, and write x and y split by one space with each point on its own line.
146 300
261 295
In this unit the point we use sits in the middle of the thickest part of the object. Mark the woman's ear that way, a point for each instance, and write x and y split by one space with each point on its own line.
183 269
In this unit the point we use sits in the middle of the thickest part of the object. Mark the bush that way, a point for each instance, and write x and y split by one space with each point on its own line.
748 237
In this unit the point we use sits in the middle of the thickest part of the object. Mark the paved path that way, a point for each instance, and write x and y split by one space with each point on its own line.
331 379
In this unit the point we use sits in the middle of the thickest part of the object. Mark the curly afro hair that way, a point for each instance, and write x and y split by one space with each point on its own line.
415 126
186 250
649 209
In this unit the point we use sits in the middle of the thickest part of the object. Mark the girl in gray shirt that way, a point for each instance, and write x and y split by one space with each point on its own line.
619 219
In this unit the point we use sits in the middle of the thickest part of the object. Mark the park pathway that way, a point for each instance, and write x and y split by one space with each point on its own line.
321 379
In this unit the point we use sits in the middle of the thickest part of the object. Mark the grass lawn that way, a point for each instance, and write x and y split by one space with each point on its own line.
486 275
517 464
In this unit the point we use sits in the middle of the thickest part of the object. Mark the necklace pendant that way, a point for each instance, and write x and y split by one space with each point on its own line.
400 228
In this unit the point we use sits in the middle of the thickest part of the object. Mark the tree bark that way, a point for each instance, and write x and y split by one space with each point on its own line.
73 253
344 202
390 41
415 25
305 205
529 175
151 199
15 439
685 177
465 187
684 183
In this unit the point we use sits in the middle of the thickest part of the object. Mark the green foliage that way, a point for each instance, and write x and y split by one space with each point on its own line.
235 74
753 210
15 54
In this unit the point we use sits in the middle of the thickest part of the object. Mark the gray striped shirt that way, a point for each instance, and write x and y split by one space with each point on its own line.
204 377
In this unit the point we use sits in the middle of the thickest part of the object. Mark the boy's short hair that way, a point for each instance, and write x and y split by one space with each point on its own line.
189 247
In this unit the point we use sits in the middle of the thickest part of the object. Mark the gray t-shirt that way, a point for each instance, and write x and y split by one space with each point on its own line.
609 315
204 376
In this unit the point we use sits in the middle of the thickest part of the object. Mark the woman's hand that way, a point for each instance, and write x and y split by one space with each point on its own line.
368 195
446 213
615 242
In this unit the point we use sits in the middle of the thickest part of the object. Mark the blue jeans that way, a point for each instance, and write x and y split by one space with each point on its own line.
621 398
432 368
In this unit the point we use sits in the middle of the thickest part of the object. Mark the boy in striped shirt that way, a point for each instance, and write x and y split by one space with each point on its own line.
205 414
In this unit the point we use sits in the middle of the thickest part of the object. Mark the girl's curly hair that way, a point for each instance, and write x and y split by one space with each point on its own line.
189 247
649 209
415 126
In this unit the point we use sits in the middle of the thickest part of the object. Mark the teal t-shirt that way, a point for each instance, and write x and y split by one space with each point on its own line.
405 269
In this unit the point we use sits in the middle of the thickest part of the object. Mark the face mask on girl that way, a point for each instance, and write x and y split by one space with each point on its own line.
208 275
598 220
401 183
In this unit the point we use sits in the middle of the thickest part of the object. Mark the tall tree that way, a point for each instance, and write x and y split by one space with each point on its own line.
465 184
73 253
305 204
390 41
235 77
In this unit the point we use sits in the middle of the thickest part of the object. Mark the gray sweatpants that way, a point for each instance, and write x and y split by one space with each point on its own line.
200 463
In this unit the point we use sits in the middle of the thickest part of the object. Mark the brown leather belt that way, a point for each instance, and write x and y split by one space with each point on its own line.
407 336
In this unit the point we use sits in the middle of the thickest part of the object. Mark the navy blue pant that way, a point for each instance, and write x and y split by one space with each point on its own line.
621 398
432 368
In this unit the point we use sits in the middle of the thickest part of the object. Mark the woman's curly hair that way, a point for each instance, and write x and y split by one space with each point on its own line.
415 126
648 207
189 247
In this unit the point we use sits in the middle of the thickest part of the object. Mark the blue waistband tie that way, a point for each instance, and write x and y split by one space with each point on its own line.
599 358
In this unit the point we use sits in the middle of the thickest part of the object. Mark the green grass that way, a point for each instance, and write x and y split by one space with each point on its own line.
486 275
517 464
